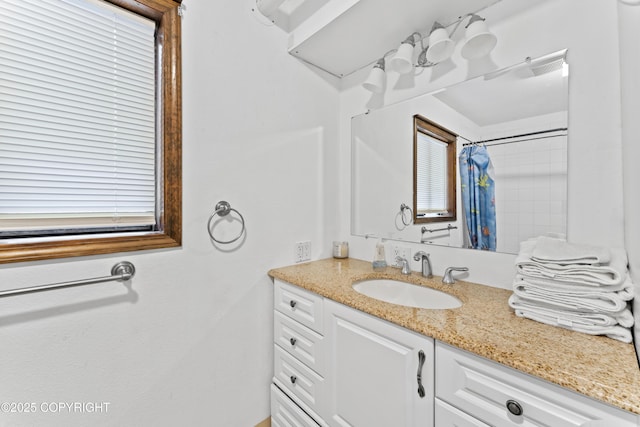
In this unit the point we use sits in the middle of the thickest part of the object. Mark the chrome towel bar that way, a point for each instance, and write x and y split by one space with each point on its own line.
448 228
122 271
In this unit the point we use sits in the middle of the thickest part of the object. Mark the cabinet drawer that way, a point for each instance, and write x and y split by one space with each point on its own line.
448 416
485 389
285 413
292 375
301 305
299 341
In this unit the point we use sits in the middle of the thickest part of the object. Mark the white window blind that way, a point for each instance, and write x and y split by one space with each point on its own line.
431 175
77 116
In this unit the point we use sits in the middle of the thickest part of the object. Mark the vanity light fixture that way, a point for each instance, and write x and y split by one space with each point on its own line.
478 42
439 49
377 80
440 44
402 61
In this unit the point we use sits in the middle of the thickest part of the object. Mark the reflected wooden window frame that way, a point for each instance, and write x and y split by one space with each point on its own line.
422 125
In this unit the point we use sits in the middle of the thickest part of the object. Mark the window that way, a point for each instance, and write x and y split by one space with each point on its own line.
90 127
434 172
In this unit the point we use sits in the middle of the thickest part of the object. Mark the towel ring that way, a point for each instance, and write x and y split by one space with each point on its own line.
223 209
403 208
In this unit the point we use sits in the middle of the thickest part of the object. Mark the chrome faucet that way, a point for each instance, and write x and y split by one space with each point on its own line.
426 263
405 265
448 277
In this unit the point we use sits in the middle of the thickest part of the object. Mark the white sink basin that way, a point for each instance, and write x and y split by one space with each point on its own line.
406 294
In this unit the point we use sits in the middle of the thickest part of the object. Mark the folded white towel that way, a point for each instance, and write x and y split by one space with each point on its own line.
594 299
595 275
626 286
573 317
559 251
617 332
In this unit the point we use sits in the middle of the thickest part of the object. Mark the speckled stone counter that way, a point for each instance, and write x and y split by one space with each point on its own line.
598 367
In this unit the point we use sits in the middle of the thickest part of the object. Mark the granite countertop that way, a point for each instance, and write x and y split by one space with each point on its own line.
599 367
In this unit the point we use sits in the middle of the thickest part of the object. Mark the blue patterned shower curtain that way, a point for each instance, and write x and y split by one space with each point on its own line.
478 197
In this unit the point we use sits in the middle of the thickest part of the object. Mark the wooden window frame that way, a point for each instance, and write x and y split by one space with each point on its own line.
450 138
168 42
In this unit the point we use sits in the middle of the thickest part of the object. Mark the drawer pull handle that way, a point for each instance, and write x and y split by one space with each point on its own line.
293 379
292 303
420 364
514 407
292 341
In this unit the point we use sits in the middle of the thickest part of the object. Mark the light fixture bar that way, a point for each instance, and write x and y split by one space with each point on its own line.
478 42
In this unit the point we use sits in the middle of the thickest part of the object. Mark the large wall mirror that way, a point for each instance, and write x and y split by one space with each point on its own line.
511 148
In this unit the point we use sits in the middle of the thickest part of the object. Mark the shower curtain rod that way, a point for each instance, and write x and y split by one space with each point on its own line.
517 136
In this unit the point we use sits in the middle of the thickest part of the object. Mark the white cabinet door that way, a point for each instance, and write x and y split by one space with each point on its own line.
373 368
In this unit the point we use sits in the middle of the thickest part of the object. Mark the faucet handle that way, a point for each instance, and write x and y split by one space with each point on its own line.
405 265
448 277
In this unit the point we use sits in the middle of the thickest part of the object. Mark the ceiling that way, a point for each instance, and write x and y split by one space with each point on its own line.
287 14
515 93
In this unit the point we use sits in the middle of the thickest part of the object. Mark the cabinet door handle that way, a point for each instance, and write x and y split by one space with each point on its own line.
292 303
293 341
514 407
421 359
293 379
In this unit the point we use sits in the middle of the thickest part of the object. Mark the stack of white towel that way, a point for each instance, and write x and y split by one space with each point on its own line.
578 287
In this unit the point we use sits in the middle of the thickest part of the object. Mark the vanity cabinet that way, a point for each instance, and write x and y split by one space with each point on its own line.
473 391
379 374
336 366
298 395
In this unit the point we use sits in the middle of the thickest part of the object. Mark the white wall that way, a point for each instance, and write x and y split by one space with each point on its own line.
191 345
595 179
630 70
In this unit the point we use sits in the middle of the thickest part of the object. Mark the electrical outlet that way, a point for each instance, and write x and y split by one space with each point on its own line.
298 254
306 251
400 251
302 251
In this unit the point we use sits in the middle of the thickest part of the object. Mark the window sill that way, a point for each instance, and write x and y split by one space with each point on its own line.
42 250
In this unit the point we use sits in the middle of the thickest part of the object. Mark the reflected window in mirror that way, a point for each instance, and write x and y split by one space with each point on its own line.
434 172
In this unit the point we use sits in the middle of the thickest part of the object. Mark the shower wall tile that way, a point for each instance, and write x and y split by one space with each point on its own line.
531 189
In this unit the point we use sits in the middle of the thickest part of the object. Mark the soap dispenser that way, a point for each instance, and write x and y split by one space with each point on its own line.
379 259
